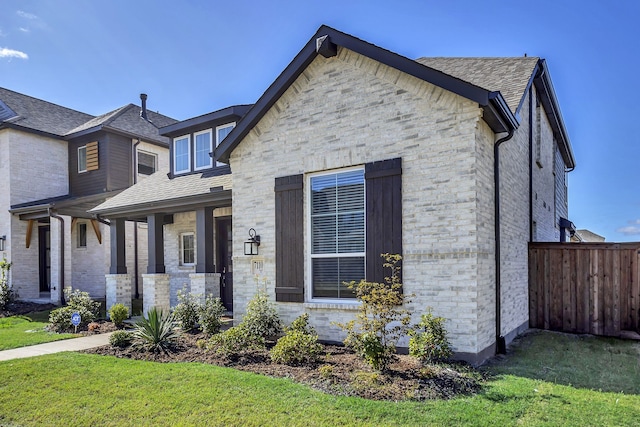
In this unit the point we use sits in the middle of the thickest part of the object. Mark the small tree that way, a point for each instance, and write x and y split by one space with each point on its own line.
428 340
6 294
186 313
381 320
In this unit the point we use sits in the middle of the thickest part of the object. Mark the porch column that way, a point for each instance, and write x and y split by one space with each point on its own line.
155 244
118 255
155 288
118 290
60 255
205 284
204 240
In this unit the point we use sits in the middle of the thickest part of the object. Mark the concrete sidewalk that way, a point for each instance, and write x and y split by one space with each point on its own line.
73 344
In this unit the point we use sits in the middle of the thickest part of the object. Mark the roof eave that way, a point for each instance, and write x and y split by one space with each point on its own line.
232 112
118 131
14 126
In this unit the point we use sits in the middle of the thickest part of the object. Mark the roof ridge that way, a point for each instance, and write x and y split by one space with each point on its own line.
117 113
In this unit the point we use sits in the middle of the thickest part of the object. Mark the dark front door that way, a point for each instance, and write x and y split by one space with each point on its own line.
44 257
224 261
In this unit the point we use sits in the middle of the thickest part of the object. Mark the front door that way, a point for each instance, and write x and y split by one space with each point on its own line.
44 258
224 260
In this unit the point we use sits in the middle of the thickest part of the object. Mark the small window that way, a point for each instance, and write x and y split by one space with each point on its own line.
202 149
82 235
82 159
187 249
181 154
146 163
221 134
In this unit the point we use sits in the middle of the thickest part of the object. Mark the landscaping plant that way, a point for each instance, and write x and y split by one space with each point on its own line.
156 332
381 320
118 313
186 313
428 340
120 339
210 314
77 301
6 293
299 345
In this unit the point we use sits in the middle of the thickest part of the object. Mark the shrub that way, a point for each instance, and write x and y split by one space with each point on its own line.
77 301
118 313
233 341
380 321
429 341
261 319
120 339
299 345
210 315
187 311
6 293
156 332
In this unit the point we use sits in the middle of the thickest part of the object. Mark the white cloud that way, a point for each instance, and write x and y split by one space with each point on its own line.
26 15
25 30
630 230
10 53
635 221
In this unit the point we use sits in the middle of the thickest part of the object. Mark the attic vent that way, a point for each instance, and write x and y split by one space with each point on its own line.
325 47
92 156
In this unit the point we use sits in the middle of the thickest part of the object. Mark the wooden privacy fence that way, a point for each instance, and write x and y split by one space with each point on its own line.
591 288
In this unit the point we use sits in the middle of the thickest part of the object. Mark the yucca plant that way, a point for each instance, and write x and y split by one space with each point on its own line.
156 332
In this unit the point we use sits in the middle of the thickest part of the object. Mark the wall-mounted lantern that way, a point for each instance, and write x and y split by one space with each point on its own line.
251 245
3 240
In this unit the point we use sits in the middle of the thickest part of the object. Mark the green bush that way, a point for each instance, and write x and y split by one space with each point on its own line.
381 320
6 293
156 332
261 319
77 301
118 313
428 340
299 345
210 315
233 341
186 313
120 339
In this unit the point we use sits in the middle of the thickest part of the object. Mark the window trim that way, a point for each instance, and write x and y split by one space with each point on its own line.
195 149
82 148
218 140
79 242
148 153
309 298
174 154
181 245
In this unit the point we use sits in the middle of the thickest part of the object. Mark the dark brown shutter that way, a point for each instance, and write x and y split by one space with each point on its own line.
289 239
383 182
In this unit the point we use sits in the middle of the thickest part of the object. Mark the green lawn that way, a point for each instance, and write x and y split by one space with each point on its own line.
20 331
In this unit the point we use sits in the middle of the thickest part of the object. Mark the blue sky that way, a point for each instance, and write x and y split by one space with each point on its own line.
193 57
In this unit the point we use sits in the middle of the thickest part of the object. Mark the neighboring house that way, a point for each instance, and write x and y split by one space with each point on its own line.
355 151
59 163
586 236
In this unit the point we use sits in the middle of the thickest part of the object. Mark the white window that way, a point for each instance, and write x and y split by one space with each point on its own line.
181 154
82 159
202 149
337 230
82 235
147 163
221 134
187 249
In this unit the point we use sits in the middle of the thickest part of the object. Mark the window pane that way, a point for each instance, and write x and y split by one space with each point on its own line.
351 232
329 275
203 148
222 133
82 159
82 235
146 163
188 252
181 154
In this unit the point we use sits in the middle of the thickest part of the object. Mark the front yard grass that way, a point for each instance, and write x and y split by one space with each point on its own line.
21 331
83 389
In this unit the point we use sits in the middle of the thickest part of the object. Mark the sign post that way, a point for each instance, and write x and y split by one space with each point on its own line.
75 320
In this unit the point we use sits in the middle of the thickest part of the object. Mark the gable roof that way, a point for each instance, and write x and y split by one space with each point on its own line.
496 112
35 114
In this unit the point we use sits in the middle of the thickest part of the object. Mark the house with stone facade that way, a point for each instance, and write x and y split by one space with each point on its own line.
354 151
58 163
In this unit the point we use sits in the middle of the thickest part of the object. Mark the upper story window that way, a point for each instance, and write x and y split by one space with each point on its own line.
337 224
202 149
82 159
147 163
181 154
221 134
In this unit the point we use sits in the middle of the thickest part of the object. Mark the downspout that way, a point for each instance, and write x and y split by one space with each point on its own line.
531 163
501 346
59 218
135 223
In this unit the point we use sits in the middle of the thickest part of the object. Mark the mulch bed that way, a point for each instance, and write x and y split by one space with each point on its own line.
340 372
18 308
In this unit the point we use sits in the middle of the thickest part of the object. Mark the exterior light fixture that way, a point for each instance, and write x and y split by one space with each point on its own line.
3 240
251 245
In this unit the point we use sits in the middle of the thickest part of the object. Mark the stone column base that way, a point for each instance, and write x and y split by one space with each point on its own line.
118 290
205 284
155 288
